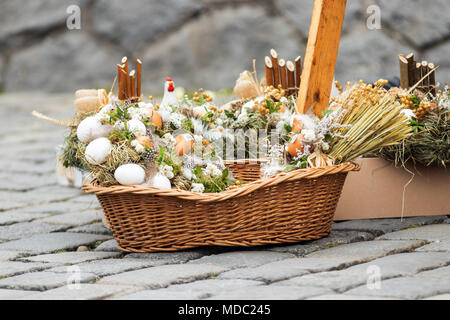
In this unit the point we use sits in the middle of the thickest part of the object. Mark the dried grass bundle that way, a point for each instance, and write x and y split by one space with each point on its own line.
373 121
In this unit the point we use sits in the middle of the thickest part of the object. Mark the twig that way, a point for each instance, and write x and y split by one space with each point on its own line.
418 82
276 72
269 71
282 65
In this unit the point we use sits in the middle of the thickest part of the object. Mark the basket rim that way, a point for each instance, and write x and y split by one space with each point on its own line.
309 173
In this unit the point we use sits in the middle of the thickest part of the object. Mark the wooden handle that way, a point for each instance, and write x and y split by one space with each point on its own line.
321 55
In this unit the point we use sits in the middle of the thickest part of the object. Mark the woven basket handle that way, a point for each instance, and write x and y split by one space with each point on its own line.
321 55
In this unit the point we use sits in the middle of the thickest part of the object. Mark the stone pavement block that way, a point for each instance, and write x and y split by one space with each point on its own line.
24 182
12 268
272 292
108 246
41 281
286 269
95 228
163 276
439 273
57 208
405 288
50 194
241 259
83 292
75 218
107 267
10 217
88 199
8 255
405 264
27 229
368 250
195 290
71 257
429 233
439 297
382 226
438 245
169 257
6 294
348 297
51 242
333 239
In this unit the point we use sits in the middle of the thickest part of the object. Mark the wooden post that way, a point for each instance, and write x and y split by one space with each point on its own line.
432 79
418 73
411 69
138 77
283 74
276 72
291 77
269 71
404 74
321 55
298 71
425 71
133 84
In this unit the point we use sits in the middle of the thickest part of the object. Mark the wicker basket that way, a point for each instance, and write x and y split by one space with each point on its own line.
289 207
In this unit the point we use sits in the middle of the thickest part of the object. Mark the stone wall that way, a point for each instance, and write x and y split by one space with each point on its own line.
203 43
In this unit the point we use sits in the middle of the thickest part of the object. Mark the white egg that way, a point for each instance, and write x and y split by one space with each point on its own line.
130 174
137 127
160 181
97 151
91 128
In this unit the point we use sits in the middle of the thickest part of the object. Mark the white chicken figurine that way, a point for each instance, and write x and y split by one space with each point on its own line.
168 100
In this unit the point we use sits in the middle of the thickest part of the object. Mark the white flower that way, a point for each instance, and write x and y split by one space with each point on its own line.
408 113
309 135
119 125
176 119
219 121
167 171
139 147
198 187
325 146
168 140
187 173
138 114
198 139
212 170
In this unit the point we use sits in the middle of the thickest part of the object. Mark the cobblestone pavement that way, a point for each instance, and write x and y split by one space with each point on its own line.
42 225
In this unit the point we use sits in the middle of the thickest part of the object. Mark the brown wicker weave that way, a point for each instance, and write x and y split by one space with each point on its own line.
289 207
246 170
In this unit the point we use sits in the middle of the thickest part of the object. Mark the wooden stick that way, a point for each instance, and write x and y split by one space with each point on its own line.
321 55
404 75
269 71
138 78
282 65
125 80
133 84
411 69
298 71
425 70
291 77
432 79
276 72
120 83
418 74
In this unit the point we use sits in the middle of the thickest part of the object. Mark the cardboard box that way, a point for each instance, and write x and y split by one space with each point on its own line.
377 191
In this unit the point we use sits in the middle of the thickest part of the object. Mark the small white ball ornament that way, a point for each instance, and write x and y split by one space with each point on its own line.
97 151
137 127
91 128
130 174
160 181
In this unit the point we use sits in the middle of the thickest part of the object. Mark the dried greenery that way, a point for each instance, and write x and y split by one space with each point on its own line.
430 146
373 118
72 153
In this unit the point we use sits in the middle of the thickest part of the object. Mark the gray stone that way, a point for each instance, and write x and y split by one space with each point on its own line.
83 292
272 292
41 281
429 233
70 51
15 217
196 290
75 218
219 51
95 228
438 245
163 276
405 264
369 250
150 22
405 288
289 268
71 257
439 297
8 255
333 239
169 257
439 274
55 208
27 229
6 294
25 182
46 243
347 297
12 268
431 25
368 55
241 259
382 226
107 267
109 246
